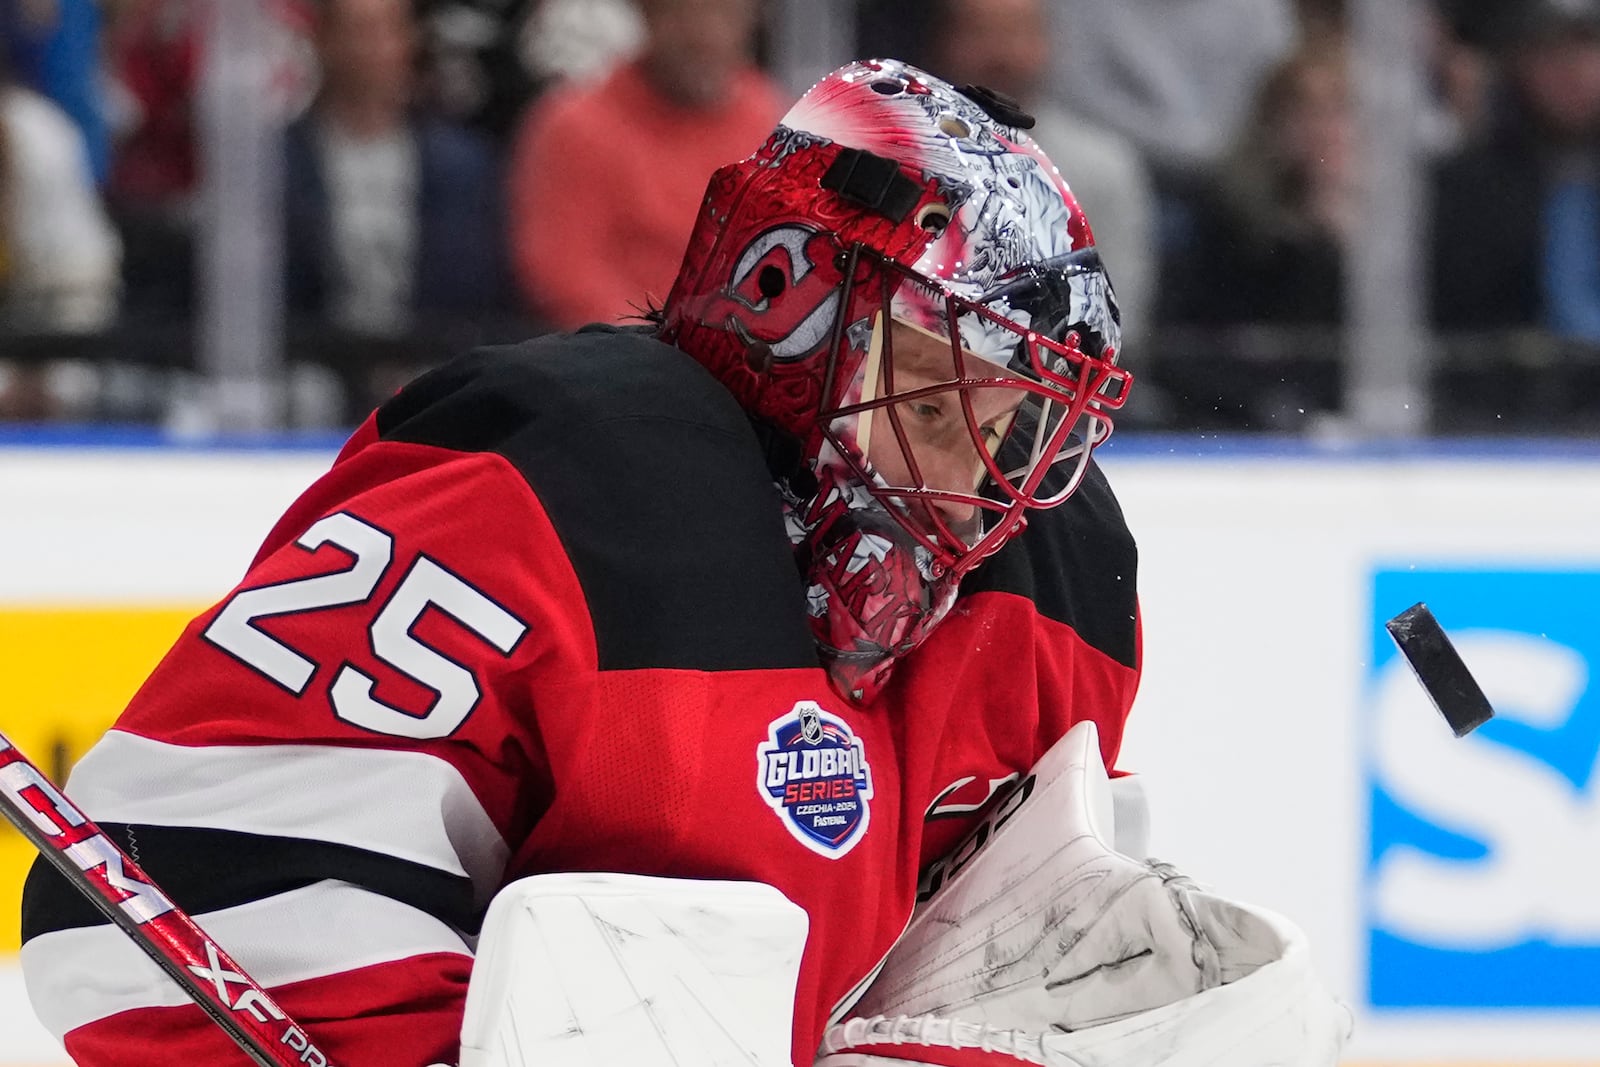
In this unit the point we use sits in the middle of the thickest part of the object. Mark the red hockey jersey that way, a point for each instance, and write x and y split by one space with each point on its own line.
542 615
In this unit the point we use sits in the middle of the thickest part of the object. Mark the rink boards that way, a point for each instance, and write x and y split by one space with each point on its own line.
1448 887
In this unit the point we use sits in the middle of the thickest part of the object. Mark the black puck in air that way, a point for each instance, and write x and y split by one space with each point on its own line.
1438 666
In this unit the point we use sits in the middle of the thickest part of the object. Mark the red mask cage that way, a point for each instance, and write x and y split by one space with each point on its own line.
1059 396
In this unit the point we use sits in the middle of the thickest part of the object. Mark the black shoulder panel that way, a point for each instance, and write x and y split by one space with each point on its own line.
652 476
1077 562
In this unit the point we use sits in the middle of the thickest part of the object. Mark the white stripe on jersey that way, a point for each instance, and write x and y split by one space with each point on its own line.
408 805
75 977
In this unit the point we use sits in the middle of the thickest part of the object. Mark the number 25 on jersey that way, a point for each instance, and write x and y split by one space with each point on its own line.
426 584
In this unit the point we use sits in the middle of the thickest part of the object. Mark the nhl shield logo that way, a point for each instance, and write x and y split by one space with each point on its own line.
812 772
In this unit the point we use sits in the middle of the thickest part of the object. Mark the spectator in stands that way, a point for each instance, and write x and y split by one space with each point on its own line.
54 48
1516 240
154 59
394 219
606 178
1177 77
153 65
581 39
487 59
1459 86
58 252
474 69
1005 45
1456 76
1267 261
1272 236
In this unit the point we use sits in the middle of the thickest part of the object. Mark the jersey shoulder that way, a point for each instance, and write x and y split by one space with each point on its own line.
653 479
517 399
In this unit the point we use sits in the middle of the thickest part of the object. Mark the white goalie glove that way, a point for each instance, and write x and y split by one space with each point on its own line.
1042 944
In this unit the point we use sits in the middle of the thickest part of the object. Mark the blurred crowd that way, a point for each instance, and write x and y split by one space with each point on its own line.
455 171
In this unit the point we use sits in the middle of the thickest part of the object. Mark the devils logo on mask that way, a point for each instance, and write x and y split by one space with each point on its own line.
783 291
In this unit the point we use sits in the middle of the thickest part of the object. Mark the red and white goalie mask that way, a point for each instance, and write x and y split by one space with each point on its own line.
903 292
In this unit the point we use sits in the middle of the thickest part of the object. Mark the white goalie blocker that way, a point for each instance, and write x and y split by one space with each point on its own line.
1040 944
1044 945
596 970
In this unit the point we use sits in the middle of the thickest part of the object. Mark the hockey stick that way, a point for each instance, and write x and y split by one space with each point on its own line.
125 894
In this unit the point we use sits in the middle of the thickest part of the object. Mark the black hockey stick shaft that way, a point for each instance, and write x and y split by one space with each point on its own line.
125 895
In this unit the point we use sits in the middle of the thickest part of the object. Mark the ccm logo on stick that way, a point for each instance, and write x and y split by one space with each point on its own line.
27 787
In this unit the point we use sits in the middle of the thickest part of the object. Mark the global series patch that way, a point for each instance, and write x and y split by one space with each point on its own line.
812 771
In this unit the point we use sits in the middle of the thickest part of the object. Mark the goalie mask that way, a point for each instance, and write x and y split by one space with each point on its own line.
902 291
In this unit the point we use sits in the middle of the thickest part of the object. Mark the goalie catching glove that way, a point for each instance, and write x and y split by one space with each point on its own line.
1039 943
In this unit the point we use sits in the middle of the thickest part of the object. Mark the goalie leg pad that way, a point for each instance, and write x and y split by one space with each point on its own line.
584 970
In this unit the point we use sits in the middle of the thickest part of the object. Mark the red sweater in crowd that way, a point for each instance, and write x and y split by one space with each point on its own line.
604 183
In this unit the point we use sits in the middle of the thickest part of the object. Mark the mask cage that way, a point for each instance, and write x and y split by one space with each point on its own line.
1062 410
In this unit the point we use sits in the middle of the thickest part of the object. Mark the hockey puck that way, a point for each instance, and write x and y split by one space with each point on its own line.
1438 666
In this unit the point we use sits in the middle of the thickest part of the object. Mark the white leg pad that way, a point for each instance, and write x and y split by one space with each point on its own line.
584 970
